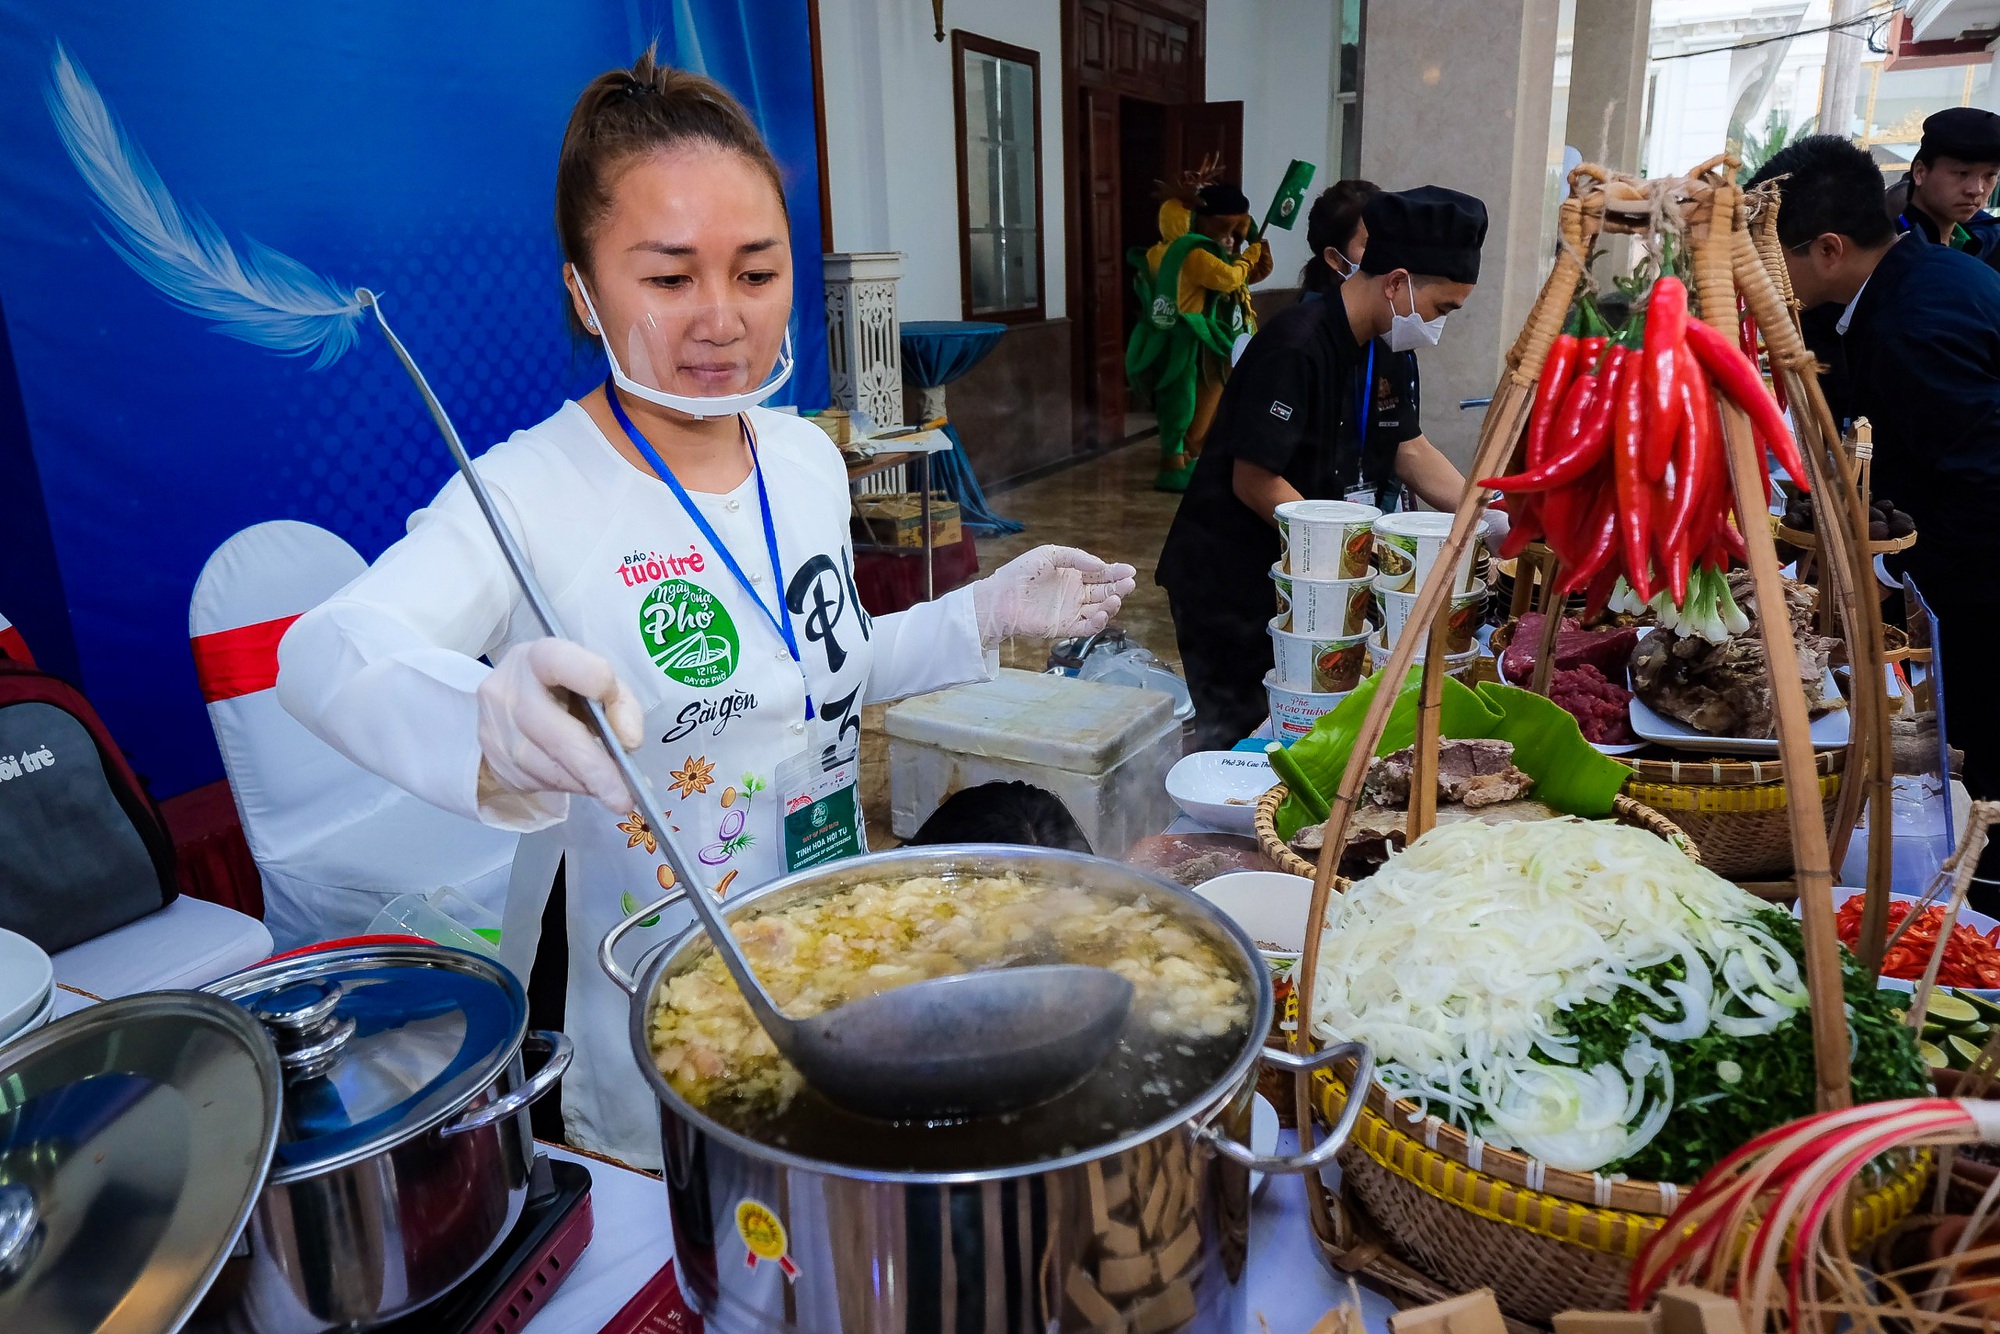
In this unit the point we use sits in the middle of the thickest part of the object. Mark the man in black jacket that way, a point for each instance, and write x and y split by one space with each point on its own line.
1943 199
1919 329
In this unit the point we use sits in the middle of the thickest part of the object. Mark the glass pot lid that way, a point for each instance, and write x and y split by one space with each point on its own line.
134 1140
378 1043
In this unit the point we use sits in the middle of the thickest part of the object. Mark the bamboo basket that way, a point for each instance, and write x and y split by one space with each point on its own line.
1545 1240
1414 1212
1624 809
1737 813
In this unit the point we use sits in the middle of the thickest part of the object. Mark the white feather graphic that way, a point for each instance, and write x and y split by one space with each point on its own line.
259 296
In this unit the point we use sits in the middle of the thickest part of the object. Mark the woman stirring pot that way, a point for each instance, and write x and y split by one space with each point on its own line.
695 541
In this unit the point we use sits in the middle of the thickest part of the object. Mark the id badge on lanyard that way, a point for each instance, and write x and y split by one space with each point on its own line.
819 801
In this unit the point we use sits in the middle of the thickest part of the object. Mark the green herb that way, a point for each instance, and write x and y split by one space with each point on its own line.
1773 1074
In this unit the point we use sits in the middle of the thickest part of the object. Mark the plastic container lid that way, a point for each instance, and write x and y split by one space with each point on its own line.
379 1043
1057 722
134 1140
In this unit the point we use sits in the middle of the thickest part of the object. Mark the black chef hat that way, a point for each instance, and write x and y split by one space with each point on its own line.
1966 133
1431 231
1221 200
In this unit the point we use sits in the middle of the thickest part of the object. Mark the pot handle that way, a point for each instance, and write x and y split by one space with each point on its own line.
1322 1153
626 982
560 1050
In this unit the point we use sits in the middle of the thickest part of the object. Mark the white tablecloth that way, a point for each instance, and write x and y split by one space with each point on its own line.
188 943
1288 1286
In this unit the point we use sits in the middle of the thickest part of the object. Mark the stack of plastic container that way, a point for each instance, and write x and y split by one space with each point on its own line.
1406 548
1326 610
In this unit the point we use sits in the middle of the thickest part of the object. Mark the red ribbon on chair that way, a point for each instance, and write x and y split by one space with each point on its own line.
237 662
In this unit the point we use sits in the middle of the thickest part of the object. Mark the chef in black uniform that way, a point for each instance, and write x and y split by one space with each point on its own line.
1300 419
1919 327
1943 199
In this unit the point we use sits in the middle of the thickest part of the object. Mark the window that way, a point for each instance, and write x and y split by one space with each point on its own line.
1344 150
998 90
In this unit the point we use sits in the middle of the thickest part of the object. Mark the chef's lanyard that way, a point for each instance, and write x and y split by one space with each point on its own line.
1367 399
782 621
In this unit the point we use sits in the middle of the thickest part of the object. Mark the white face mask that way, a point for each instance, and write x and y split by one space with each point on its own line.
1408 332
717 405
1341 264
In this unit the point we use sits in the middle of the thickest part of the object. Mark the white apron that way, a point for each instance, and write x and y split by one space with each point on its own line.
632 578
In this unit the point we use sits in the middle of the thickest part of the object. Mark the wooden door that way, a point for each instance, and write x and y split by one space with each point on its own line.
1199 130
1104 271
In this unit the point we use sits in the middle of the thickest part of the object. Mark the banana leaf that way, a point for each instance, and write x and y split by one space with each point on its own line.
1570 774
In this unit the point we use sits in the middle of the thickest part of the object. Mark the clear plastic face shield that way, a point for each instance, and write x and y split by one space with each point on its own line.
698 357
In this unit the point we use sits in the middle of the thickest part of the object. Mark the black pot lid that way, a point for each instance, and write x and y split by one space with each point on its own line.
134 1140
379 1044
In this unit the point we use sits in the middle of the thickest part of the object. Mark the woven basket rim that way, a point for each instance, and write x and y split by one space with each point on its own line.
1751 799
1624 809
1509 1195
1714 772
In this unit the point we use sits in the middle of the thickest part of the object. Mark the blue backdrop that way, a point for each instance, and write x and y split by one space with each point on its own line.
407 148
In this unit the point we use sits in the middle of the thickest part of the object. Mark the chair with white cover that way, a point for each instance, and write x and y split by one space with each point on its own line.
333 842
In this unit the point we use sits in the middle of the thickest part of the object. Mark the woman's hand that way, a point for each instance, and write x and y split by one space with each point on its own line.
1050 593
529 741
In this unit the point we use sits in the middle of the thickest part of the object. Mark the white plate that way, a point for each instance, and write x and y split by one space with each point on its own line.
1624 749
26 976
1202 784
1829 730
1263 1135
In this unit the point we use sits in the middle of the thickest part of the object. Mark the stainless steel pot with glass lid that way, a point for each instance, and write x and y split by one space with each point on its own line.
1123 1202
326 1143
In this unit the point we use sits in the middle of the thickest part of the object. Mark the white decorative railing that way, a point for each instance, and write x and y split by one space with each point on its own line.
864 345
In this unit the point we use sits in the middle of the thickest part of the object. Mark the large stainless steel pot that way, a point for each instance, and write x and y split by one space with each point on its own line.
404 1150
769 1240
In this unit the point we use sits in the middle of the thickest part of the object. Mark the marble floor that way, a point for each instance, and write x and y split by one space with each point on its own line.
1106 506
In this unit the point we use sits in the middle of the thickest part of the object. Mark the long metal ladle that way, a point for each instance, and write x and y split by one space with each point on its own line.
972 1044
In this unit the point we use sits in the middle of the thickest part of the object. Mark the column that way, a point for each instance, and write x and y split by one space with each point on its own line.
1462 96
864 336
1607 81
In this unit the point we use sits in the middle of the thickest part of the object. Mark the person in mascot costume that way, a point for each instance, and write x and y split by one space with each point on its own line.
1194 293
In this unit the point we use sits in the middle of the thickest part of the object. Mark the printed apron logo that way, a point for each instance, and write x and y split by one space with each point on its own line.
688 633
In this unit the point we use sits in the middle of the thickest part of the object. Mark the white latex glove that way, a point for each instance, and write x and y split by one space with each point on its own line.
529 740
1050 593
1498 524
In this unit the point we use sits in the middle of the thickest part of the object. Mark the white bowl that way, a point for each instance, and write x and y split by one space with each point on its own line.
26 981
35 1021
1293 712
1203 784
1269 905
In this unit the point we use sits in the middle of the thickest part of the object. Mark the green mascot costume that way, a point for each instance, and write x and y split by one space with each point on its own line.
1194 290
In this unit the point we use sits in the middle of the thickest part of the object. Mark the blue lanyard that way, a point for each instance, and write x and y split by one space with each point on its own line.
782 621
1367 399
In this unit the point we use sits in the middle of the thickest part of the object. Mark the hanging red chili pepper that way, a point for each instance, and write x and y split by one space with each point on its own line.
1603 543
1558 370
1635 497
1598 595
1582 432
1694 463
1666 320
1738 379
1583 428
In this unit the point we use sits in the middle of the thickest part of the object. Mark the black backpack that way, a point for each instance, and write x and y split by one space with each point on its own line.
83 847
